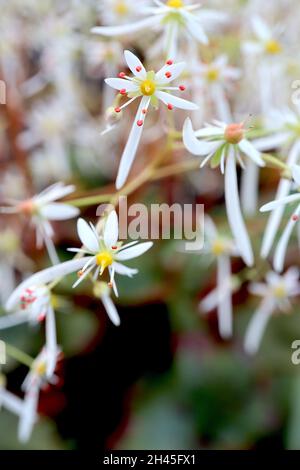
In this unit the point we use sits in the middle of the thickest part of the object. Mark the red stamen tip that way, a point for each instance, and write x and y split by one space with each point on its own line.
138 68
114 247
140 122
144 111
117 110
170 106
169 62
295 218
110 284
123 91
122 74
168 74
182 88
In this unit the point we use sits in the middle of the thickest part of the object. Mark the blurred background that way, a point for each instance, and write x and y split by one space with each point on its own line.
163 379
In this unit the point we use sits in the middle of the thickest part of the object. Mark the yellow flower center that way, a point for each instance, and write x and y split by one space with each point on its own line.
147 87
280 291
104 259
234 133
40 368
212 74
218 247
121 8
175 3
273 47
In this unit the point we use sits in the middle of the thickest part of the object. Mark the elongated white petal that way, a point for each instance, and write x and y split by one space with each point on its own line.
125 29
195 28
111 309
249 188
195 146
59 211
212 131
54 192
11 402
224 300
260 28
131 145
51 342
280 202
258 325
124 270
29 414
246 147
279 255
296 174
133 251
111 230
180 103
134 63
44 277
270 142
7 321
121 84
258 288
87 236
233 209
174 69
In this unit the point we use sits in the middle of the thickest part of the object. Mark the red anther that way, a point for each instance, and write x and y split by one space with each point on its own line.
144 111
122 74
168 74
181 87
295 218
110 284
79 273
123 91
140 122
41 317
170 106
169 62
117 110
138 68
114 247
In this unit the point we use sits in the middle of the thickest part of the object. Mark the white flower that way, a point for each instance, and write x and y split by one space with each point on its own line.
121 11
221 297
280 251
266 42
42 209
33 306
8 400
276 294
103 292
172 17
38 377
106 251
151 87
222 145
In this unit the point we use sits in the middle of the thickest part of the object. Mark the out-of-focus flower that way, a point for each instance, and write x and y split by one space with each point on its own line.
223 145
118 12
42 208
276 294
151 87
106 251
266 41
221 249
280 251
102 291
172 17
8 400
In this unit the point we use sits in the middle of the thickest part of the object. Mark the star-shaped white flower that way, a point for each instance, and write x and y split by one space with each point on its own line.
266 42
106 251
276 294
151 87
223 145
42 209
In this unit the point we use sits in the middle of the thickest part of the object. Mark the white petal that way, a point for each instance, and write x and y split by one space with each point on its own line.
111 309
279 255
133 251
54 192
121 84
11 402
7 321
51 342
195 146
280 202
224 300
87 236
258 288
296 174
233 209
258 325
270 142
246 147
195 28
124 270
59 211
133 62
28 416
180 103
44 277
210 228
174 69
249 188
131 145
261 29
111 230
125 29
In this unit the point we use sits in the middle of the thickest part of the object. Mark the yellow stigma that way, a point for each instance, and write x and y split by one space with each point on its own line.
40 368
147 87
121 8
218 247
175 3
212 74
104 259
280 291
273 47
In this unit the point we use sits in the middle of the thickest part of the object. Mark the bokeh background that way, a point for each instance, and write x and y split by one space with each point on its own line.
164 379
